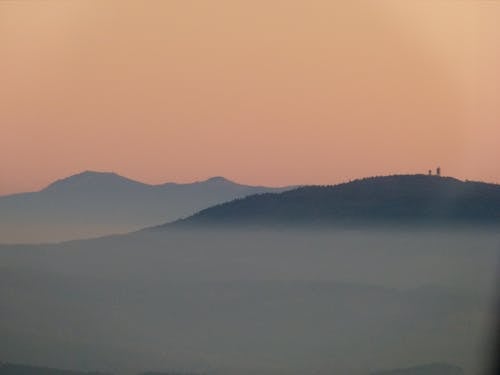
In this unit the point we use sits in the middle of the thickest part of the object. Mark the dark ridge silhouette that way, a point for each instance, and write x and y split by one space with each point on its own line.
17 369
431 369
398 199
92 204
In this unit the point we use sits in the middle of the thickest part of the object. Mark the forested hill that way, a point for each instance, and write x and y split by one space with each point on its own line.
375 200
430 369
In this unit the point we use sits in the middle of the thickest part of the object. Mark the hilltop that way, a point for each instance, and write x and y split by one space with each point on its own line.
429 369
397 199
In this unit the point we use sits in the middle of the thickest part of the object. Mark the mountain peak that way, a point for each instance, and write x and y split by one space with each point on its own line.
90 179
92 174
218 179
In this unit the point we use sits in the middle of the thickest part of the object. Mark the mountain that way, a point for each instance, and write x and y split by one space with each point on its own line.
92 204
18 369
398 199
21 369
431 369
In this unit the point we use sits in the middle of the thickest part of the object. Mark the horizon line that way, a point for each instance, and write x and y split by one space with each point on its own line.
233 181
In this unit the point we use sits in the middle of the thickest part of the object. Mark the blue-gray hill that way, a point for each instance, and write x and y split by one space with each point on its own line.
91 204
430 369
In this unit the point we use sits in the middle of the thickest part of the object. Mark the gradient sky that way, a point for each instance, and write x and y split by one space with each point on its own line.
262 92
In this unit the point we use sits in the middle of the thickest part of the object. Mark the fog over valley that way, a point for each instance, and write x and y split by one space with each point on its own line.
341 301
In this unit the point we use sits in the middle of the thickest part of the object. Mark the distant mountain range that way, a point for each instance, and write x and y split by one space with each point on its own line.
93 204
17 369
398 199
430 369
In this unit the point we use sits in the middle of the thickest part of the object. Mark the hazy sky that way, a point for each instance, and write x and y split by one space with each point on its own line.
262 92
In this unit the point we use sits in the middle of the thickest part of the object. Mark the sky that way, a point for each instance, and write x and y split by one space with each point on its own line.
261 92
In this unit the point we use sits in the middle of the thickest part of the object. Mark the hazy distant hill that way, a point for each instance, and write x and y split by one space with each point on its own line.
431 369
18 369
393 199
94 203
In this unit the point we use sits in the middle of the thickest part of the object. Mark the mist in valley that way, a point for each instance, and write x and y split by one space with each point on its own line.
252 301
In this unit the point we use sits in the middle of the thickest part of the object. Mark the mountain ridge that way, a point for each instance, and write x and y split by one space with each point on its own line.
93 204
88 179
428 369
382 199
91 176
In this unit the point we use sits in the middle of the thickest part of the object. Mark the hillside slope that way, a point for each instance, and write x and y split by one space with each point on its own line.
430 369
391 199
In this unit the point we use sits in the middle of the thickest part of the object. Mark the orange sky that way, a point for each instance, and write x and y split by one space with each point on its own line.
262 92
